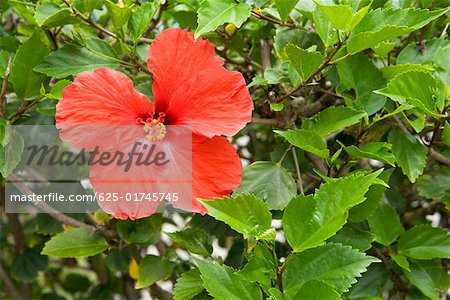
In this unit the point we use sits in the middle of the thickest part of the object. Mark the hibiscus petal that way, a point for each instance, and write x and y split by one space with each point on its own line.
216 169
102 97
193 88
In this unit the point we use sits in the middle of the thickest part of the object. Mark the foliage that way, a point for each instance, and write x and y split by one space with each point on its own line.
346 186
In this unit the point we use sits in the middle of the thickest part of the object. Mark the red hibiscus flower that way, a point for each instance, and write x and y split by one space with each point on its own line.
190 87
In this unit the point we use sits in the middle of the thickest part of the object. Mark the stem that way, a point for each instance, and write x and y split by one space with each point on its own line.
281 23
325 64
297 169
4 88
281 270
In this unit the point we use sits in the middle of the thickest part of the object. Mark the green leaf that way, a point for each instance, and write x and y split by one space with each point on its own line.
428 276
305 62
26 82
72 60
370 285
57 88
390 72
324 27
119 14
142 231
222 284
244 213
52 15
285 7
152 269
332 119
194 240
310 220
339 15
118 261
11 153
333 264
385 224
383 24
315 289
276 106
307 140
401 261
188 285
260 267
268 181
353 235
140 19
213 13
378 151
446 134
436 186
78 242
409 153
362 211
417 88
425 242
360 76
28 263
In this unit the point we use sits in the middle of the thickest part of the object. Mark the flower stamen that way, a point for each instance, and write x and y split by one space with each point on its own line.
155 128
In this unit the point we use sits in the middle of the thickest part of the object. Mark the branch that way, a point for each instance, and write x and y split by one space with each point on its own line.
4 88
325 64
275 122
439 157
281 23
60 216
9 284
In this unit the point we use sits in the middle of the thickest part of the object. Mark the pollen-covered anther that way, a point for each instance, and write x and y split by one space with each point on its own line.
155 128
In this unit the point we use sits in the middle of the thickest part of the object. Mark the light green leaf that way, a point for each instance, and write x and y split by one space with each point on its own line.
401 261
416 88
425 242
11 151
383 24
52 15
305 62
385 224
140 19
324 28
285 7
428 276
390 72
194 240
152 269
446 134
378 151
268 181
339 15
213 13
382 49
222 284
119 14
359 76
310 220
244 213
332 119
72 60
362 211
276 106
333 264
409 153
307 140
26 82
316 289
188 285
78 242
260 267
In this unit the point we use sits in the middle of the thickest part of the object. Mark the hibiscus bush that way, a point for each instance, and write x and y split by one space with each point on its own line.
320 147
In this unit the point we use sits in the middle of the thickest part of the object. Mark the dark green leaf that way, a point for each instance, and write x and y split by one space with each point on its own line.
425 242
152 269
